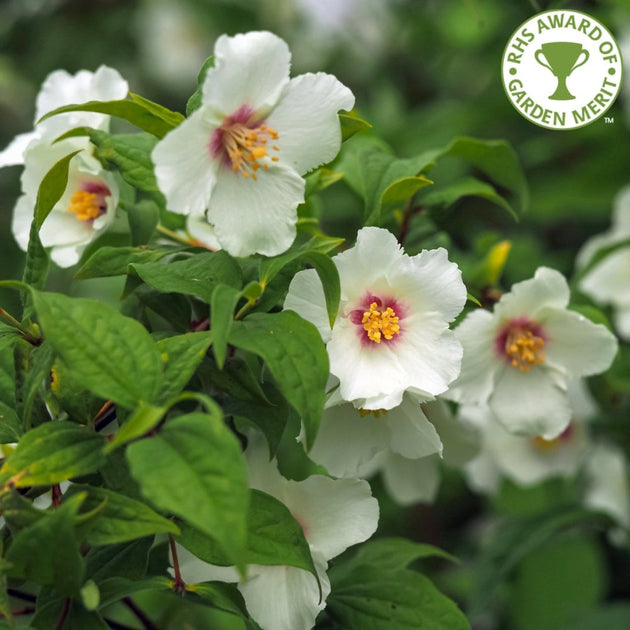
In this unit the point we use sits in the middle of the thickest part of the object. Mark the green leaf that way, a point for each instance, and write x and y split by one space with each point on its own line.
371 598
41 362
557 583
143 219
181 355
222 305
47 552
197 275
403 189
90 596
513 541
52 188
111 355
144 419
116 588
296 357
351 124
274 538
466 187
123 561
122 519
36 269
613 616
9 424
114 261
144 114
53 452
223 596
320 179
201 477
194 102
600 255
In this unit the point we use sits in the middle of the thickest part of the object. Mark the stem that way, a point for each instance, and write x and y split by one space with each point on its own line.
61 622
105 415
11 321
408 212
27 597
173 235
116 625
139 613
249 304
27 610
179 586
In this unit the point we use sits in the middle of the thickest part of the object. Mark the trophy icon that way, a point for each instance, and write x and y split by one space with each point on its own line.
562 59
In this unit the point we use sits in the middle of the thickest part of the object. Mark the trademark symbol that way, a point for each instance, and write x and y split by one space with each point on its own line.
609 120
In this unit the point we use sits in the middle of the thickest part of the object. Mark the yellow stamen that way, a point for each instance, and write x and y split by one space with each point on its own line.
246 148
524 349
380 324
377 413
546 445
85 205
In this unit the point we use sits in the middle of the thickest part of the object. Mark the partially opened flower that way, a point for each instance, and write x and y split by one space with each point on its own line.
240 157
518 358
608 281
334 514
86 208
59 89
529 460
391 334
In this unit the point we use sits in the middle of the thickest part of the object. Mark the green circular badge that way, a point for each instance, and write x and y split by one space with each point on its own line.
562 69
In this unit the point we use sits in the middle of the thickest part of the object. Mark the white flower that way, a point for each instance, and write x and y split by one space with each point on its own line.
391 334
608 488
334 514
86 208
239 158
528 460
59 89
518 358
608 281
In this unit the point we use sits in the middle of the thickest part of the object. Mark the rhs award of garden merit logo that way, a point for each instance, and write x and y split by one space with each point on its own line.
562 69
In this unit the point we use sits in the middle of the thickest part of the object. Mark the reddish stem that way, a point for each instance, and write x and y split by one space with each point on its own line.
179 585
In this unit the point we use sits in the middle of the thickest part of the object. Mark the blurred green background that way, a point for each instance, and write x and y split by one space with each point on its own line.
423 72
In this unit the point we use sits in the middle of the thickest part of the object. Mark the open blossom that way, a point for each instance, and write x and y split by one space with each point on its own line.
518 358
391 334
529 460
86 208
334 514
608 280
240 157
59 89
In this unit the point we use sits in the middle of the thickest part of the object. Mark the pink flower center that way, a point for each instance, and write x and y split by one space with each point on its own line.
521 343
89 202
378 319
547 445
243 143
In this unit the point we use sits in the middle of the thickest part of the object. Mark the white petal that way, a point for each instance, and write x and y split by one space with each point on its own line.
577 345
432 282
334 513
622 321
199 229
347 442
23 213
64 228
410 481
256 216
14 152
460 439
366 265
306 120
413 436
621 211
548 288
184 168
286 598
482 474
67 255
609 281
477 334
306 297
249 69
195 570
530 403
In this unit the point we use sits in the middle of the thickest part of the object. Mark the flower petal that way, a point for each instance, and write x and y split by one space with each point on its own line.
184 168
479 363
256 216
67 255
530 403
200 230
577 345
609 281
13 154
195 570
412 435
23 212
249 69
411 481
548 288
306 120
306 297
286 598
334 513
346 442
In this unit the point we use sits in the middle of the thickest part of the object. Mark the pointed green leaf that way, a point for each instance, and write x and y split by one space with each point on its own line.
222 305
114 261
403 189
296 357
201 477
194 102
144 419
143 219
351 124
111 355
53 452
